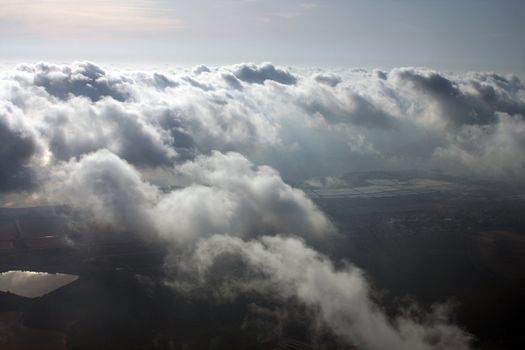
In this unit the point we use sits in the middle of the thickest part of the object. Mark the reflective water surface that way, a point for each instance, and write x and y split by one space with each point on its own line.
33 284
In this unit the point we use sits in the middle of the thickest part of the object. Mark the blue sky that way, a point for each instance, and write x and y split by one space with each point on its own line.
456 35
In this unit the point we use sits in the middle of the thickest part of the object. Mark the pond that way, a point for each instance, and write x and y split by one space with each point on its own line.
33 284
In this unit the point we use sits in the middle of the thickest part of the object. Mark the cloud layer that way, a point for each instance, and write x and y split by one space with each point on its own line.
198 160
304 123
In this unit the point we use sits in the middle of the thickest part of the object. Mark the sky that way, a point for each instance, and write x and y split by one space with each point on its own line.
455 35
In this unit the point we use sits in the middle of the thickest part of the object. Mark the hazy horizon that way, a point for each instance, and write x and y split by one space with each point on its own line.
446 35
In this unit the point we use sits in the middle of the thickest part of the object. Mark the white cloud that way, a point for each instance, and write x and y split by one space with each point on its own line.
285 268
226 193
221 193
304 125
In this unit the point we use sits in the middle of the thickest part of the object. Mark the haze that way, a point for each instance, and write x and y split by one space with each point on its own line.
449 34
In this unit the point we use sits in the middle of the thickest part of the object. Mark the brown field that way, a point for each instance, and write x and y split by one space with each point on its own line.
15 336
501 252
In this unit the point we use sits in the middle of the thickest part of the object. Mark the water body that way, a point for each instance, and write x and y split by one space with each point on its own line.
33 284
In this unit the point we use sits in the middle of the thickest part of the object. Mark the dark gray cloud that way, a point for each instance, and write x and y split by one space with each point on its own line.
328 79
466 102
201 69
381 74
162 81
354 109
258 74
81 79
18 145
108 125
181 139
195 83
232 80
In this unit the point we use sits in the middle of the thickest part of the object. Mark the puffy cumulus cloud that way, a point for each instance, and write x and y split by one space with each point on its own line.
201 69
18 146
220 193
468 101
329 79
495 150
304 124
162 81
226 193
106 190
285 268
80 127
345 107
258 74
220 120
232 80
80 79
